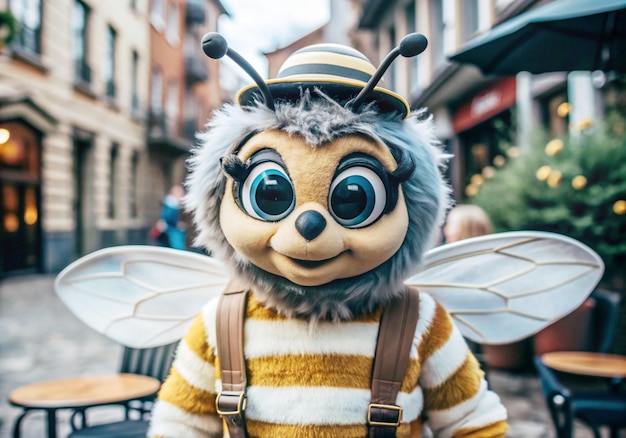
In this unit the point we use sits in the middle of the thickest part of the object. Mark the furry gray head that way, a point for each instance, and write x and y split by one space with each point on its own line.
320 120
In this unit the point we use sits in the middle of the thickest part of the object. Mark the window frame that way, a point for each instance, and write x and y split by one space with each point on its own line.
80 34
114 155
134 83
172 32
157 14
110 64
25 30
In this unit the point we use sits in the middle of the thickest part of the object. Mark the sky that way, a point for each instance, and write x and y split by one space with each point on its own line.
257 26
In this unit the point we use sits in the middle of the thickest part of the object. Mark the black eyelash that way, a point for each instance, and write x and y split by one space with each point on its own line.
235 168
406 166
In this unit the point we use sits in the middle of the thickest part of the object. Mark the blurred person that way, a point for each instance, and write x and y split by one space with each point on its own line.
465 221
170 230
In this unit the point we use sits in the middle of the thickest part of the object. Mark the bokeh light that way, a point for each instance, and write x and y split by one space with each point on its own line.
554 147
563 109
499 161
513 152
620 207
477 179
554 179
471 190
579 182
543 173
488 172
4 135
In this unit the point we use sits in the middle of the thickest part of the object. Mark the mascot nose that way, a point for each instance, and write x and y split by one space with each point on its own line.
310 224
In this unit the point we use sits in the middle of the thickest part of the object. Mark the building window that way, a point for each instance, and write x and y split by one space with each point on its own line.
80 18
157 15
134 171
411 26
157 117
134 81
109 65
156 91
437 31
28 15
113 159
173 28
501 5
192 112
172 109
469 18
211 20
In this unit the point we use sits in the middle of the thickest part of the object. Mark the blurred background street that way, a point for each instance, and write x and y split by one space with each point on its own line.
100 104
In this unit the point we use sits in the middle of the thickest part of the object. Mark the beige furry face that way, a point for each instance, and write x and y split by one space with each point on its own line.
331 251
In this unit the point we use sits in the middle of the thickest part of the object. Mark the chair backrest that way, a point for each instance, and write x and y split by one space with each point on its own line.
550 384
605 319
154 362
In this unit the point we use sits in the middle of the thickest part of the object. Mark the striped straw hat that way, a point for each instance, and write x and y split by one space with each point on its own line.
338 71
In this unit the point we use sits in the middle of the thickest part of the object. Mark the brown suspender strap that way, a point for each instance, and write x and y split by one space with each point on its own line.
231 402
395 338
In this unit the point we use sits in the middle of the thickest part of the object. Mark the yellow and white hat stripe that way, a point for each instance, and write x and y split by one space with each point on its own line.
339 71
346 66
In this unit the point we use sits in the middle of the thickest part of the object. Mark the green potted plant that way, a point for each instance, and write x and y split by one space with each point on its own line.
574 186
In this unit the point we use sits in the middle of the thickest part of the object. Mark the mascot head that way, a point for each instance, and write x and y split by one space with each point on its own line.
318 188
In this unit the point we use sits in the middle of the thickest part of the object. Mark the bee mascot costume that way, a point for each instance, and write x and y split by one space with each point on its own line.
321 193
320 197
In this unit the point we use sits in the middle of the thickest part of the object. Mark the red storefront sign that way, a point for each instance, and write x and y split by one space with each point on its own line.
486 104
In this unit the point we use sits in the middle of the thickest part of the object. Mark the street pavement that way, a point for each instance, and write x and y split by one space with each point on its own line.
41 339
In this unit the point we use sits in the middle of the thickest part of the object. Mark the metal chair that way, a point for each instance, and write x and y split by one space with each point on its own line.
154 362
605 319
594 408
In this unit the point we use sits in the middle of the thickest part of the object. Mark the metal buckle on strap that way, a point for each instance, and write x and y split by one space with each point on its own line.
231 403
374 418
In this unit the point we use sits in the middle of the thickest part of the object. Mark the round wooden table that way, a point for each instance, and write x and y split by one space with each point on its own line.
79 393
585 363
603 365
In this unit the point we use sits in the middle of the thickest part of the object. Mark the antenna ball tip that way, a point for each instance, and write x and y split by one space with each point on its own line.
214 45
413 44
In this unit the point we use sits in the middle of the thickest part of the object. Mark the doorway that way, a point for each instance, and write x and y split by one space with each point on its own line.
20 198
84 216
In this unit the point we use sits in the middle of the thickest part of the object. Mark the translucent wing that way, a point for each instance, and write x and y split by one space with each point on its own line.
505 287
140 296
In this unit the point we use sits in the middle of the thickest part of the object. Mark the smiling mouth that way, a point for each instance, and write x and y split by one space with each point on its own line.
312 264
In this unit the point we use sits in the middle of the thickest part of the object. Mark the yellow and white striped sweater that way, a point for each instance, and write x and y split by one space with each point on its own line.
304 383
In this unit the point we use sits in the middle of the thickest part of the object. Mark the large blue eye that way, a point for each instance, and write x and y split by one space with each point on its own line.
267 192
357 197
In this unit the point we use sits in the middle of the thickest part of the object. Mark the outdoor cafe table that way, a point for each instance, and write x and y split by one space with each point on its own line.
79 393
611 366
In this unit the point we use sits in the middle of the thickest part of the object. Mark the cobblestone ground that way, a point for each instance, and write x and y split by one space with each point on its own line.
40 339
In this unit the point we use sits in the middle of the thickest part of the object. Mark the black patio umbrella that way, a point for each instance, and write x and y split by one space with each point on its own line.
563 35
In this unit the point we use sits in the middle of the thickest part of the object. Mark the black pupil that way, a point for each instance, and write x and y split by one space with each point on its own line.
274 194
348 200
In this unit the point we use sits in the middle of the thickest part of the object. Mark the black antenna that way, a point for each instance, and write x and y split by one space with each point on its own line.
215 46
411 45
